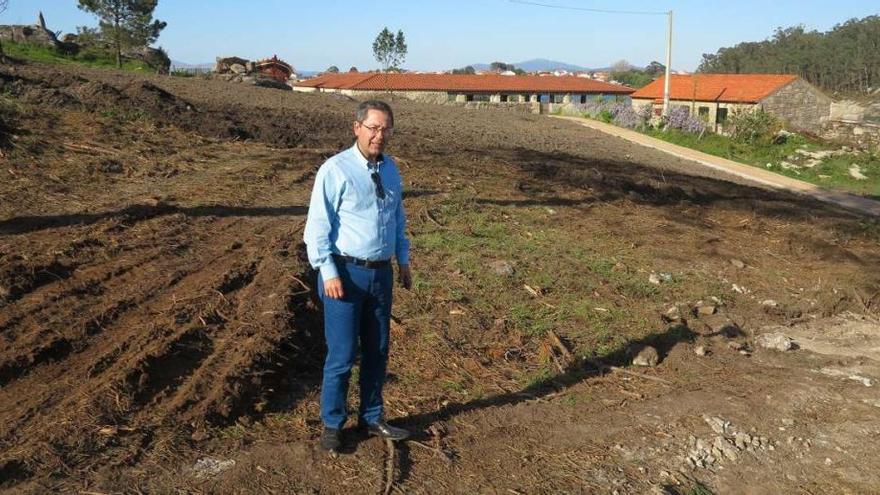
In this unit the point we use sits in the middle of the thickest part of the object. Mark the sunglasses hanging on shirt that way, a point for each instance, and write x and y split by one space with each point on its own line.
380 191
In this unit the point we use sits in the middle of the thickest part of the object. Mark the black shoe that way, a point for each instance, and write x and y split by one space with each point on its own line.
384 430
331 439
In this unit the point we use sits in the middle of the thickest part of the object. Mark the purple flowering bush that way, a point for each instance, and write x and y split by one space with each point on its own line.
680 118
616 112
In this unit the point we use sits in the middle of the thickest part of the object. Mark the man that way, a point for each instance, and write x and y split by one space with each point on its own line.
355 226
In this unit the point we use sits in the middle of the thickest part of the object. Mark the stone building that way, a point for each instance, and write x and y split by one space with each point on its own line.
491 89
714 97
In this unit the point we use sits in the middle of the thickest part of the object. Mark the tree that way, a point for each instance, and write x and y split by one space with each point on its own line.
353 69
332 70
465 70
621 66
655 68
390 51
3 5
125 23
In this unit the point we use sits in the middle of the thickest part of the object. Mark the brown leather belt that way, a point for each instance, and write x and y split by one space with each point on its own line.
363 263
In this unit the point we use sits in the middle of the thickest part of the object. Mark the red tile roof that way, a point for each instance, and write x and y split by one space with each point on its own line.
727 88
463 83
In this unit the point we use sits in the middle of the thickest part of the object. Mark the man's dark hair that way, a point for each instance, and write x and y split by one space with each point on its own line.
368 105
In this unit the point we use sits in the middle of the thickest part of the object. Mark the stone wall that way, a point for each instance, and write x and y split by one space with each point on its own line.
800 105
862 135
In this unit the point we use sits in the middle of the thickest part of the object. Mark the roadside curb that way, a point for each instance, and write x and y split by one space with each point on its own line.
754 174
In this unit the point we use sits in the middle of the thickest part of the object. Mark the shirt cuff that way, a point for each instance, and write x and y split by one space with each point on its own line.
329 271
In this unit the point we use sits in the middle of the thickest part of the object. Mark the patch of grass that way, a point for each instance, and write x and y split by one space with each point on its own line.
533 321
89 58
833 172
538 378
699 489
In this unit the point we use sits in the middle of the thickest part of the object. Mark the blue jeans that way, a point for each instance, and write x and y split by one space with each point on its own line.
362 317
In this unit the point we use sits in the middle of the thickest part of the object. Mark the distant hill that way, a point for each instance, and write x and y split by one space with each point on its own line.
539 65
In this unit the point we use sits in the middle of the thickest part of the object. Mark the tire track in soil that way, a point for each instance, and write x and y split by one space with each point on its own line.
205 357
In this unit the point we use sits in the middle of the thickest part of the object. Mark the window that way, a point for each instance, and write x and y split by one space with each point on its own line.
451 96
703 112
481 97
544 98
558 98
721 116
503 98
583 99
468 97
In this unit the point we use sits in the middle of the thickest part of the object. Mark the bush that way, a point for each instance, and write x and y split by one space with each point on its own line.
749 126
680 118
618 113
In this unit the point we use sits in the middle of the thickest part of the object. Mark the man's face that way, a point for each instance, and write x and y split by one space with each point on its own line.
373 133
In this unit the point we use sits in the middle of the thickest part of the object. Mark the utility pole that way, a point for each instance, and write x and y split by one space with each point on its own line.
668 64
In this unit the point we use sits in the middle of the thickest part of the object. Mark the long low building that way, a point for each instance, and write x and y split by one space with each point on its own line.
443 88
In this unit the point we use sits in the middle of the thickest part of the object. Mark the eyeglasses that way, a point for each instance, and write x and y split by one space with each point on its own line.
380 191
386 131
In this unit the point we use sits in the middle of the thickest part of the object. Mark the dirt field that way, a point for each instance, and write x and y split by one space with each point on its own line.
160 332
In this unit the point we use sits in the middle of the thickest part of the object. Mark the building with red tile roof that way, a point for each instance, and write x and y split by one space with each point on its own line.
466 87
796 102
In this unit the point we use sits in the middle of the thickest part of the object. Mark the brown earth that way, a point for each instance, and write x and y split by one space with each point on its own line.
157 313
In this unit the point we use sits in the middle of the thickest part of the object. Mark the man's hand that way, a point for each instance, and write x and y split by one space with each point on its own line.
404 276
333 288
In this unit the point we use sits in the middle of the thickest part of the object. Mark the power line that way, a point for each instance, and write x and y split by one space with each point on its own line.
585 9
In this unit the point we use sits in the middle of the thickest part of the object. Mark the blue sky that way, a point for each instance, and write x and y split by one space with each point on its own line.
447 34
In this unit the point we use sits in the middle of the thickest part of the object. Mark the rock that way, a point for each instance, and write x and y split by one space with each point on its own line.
700 350
736 346
725 447
770 303
659 278
501 267
705 309
647 356
781 137
207 466
737 263
717 424
739 289
743 440
672 314
856 172
238 69
110 167
775 341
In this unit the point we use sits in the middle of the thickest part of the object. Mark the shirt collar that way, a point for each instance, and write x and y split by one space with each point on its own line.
363 160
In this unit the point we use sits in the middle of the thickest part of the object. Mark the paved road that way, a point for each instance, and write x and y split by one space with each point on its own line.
737 169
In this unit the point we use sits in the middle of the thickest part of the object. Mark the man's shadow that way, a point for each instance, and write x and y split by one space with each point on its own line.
577 371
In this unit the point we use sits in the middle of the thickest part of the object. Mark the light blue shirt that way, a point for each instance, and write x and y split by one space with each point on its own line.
347 217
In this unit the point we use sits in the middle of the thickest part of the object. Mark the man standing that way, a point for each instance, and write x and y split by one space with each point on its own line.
355 225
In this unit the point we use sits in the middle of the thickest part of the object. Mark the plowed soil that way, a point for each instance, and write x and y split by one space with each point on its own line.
159 319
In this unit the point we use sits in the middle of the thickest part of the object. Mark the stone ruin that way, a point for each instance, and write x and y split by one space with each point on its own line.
240 70
36 34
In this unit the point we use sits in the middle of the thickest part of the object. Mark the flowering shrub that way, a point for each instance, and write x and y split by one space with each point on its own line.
619 113
680 118
753 126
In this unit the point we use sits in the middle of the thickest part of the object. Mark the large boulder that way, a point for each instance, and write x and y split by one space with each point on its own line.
154 57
